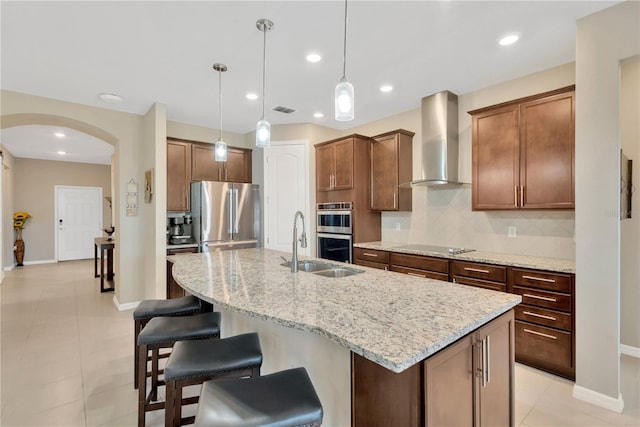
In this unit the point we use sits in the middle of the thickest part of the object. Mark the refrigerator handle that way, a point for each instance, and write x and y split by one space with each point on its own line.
230 206
235 213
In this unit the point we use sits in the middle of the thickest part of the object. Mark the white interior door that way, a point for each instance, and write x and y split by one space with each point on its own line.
286 191
78 221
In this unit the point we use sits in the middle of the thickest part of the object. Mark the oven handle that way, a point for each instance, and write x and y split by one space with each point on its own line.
335 236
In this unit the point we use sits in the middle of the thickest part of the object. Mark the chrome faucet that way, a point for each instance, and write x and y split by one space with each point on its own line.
303 241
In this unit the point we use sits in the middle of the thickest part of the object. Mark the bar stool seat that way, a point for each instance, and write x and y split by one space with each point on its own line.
194 362
148 309
164 332
282 399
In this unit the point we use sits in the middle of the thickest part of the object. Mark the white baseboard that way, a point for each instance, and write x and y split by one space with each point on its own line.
42 261
9 268
599 399
630 351
125 306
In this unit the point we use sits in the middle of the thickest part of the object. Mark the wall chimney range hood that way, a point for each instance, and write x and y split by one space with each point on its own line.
439 156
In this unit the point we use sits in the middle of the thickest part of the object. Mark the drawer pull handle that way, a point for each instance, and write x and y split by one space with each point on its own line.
542 316
540 279
540 333
477 270
539 297
417 275
370 254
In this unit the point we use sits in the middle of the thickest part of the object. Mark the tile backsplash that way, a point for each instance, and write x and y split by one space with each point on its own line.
443 216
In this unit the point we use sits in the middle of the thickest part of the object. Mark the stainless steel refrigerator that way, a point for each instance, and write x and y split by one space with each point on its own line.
225 215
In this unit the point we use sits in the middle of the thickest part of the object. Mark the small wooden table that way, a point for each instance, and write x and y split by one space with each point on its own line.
106 245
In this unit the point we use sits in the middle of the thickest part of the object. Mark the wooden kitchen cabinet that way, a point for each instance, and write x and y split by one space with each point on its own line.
334 164
420 266
480 275
237 168
470 383
545 320
173 289
178 175
523 153
391 165
371 258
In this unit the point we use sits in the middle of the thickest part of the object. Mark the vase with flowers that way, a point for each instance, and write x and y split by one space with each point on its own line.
19 221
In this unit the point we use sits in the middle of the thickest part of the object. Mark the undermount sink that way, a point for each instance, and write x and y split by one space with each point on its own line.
323 269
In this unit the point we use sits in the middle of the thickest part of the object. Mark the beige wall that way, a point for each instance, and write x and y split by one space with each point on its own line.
603 40
34 191
443 216
8 234
630 228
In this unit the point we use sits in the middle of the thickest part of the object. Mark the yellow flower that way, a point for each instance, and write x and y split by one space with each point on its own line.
20 219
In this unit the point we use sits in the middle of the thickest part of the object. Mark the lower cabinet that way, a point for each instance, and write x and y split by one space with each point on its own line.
420 266
469 383
480 275
371 258
173 289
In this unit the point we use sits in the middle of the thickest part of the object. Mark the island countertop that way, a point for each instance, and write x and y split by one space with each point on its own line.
394 320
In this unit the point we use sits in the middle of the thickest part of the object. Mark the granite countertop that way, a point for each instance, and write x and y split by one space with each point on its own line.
394 320
513 260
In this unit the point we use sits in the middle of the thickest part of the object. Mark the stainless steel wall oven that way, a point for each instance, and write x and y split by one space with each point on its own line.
335 231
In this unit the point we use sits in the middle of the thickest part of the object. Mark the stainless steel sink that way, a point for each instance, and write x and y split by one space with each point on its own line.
323 268
338 272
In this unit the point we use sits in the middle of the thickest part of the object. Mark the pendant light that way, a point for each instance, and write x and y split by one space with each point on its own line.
263 129
344 96
221 146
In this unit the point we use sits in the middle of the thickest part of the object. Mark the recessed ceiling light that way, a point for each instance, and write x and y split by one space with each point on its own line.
509 39
386 88
62 153
314 57
111 98
60 134
318 115
252 96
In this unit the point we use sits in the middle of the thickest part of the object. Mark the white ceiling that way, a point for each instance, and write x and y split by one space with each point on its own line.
164 51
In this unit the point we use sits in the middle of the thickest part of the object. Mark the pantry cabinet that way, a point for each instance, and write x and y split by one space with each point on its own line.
391 165
178 175
523 153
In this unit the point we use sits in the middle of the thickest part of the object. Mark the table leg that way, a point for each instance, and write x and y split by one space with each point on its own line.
101 269
109 264
95 260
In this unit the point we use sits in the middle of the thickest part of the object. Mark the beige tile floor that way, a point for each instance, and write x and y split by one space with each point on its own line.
67 360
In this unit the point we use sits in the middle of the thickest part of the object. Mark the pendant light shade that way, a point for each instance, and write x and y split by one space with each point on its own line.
263 129
221 146
344 95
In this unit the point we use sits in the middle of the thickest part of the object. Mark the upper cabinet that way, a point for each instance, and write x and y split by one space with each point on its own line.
178 175
334 165
523 153
391 165
237 168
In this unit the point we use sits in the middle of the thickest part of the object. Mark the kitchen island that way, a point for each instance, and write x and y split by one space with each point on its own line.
347 331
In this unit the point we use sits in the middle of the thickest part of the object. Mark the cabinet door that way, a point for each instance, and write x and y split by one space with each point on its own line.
384 174
547 153
343 155
204 166
324 167
448 386
238 165
495 153
495 384
178 175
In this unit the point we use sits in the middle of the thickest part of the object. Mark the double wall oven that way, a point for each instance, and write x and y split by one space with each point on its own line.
335 231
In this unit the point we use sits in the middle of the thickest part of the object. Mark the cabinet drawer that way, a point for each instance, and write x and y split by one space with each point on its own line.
542 316
479 271
546 299
479 283
439 265
420 273
541 280
372 264
371 255
538 343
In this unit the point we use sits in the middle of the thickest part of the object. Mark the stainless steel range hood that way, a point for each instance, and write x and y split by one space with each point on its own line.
439 145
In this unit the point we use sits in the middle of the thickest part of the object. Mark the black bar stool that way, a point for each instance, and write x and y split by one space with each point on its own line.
283 399
164 332
148 309
194 362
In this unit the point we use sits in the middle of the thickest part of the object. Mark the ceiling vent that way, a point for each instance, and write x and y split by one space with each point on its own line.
285 110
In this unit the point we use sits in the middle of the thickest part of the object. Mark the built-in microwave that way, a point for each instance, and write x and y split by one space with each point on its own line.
334 218
336 247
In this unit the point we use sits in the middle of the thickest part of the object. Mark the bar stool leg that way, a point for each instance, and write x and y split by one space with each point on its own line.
155 353
142 383
170 390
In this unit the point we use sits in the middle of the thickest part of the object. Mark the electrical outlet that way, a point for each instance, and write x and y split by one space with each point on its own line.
512 232
397 226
